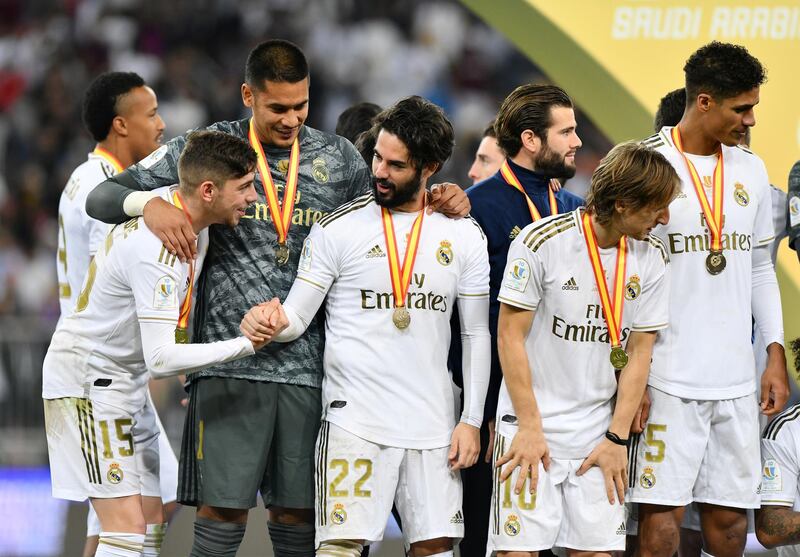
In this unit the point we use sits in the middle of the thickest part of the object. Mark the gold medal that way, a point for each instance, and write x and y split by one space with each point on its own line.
181 335
401 318
715 262
619 358
282 254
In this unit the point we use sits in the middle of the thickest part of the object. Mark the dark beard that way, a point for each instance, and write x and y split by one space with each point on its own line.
551 165
400 195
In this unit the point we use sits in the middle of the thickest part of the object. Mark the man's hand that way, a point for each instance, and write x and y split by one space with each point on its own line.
465 445
774 381
528 449
172 227
612 459
490 447
263 322
448 199
640 419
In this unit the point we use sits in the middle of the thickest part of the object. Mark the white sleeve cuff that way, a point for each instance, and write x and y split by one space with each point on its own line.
134 203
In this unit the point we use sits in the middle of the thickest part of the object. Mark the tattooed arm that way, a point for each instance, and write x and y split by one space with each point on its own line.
777 526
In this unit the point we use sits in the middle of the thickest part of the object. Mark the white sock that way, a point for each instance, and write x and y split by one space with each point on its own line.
339 548
152 540
119 544
443 554
704 554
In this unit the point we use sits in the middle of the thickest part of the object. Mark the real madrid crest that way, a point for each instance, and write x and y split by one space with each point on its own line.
740 195
633 288
444 253
319 170
338 515
512 525
648 478
114 473
283 166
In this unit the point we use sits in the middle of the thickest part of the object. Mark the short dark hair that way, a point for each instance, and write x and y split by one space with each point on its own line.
356 120
527 108
722 70
365 144
670 109
489 131
275 60
216 156
100 100
422 127
634 174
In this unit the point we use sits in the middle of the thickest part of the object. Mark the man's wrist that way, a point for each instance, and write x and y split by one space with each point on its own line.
617 440
134 203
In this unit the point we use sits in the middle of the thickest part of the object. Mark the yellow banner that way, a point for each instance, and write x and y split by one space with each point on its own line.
617 58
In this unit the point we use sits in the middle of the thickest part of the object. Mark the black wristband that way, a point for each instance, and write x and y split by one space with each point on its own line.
617 440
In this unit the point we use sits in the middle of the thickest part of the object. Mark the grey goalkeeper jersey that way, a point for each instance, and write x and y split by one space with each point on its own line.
241 268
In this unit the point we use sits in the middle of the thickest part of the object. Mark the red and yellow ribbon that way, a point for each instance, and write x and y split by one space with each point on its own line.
401 276
512 180
281 212
186 307
109 158
612 309
713 216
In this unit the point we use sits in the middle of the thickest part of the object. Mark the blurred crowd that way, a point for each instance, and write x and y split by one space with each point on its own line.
193 53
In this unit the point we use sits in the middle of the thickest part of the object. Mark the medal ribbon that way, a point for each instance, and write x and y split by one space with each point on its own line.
109 158
186 307
612 312
713 216
512 180
401 276
281 212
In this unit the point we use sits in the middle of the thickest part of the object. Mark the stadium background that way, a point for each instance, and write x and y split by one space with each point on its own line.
192 53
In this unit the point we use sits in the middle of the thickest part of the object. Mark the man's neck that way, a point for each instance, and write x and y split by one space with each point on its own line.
116 146
415 205
607 234
523 159
694 138
196 211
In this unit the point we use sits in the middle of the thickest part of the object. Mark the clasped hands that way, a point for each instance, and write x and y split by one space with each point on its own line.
263 322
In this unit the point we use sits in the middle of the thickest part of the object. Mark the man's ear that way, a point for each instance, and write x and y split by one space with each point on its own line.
429 170
120 126
704 102
531 141
207 191
247 95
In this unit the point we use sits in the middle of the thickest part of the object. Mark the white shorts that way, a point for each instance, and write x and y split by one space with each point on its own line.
98 450
698 450
168 476
566 511
357 481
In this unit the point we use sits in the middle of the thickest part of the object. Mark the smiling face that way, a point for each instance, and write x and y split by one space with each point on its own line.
279 110
556 155
230 202
729 120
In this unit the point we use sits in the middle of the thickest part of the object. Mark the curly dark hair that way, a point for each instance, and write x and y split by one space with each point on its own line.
275 60
670 109
722 70
356 119
100 100
422 127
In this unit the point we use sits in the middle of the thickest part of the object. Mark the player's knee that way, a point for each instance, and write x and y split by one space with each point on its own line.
221 514
295 539
340 548
213 538
437 547
119 544
285 515
659 536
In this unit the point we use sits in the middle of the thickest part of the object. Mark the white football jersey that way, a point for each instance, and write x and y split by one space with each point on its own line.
549 272
383 384
97 350
79 235
780 466
706 352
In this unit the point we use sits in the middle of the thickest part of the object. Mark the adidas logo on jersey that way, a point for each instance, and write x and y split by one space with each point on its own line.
515 232
376 251
570 284
458 518
622 530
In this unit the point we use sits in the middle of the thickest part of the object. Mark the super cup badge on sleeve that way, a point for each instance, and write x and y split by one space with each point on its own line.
517 276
